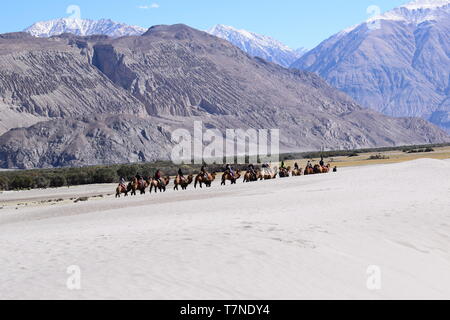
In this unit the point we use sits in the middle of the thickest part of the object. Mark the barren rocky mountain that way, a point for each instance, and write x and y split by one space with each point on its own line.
54 78
117 100
397 63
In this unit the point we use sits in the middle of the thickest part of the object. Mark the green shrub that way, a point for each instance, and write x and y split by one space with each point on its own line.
78 178
22 182
105 175
127 172
57 181
378 157
41 182
4 183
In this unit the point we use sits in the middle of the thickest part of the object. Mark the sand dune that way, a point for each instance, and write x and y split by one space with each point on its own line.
297 238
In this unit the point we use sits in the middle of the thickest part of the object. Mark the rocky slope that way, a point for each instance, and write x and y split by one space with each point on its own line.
118 100
397 63
54 78
258 45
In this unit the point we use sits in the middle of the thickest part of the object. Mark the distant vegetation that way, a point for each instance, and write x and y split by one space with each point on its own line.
52 178
378 157
354 153
412 150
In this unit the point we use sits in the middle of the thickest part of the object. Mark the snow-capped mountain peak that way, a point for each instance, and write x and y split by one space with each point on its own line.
417 11
261 40
426 4
83 27
258 45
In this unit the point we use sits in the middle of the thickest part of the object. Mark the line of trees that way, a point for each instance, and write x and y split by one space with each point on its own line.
53 178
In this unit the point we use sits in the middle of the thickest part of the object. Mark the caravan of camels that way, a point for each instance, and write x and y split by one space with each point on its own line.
204 178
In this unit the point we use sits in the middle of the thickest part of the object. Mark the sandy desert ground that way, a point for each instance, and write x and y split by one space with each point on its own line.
296 238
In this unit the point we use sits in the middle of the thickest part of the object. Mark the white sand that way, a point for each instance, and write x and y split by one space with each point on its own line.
305 237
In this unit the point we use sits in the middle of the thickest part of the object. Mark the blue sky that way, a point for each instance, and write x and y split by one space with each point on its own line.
297 23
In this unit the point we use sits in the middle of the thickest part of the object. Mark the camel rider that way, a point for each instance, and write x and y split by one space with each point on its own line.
181 175
204 172
282 165
309 165
251 169
296 167
122 182
157 176
265 168
139 180
322 163
229 169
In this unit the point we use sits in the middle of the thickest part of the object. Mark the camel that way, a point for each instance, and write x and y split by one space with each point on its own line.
309 170
326 169
318 169
267 174
251 177
207 181
228 177
184 183
122 189
160 184
297 172
136 185
285 172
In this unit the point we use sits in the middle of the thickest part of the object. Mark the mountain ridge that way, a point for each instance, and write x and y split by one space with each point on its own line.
399 67
258 45
83 27
164 80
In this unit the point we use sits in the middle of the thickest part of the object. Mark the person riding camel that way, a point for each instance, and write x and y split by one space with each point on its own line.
322 163
309 164
122 183
230 170
157 176
266 169
181 175
139 179
296 167
251 170
282 165
204 172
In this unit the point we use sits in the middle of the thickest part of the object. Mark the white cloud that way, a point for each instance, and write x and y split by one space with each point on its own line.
151 6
